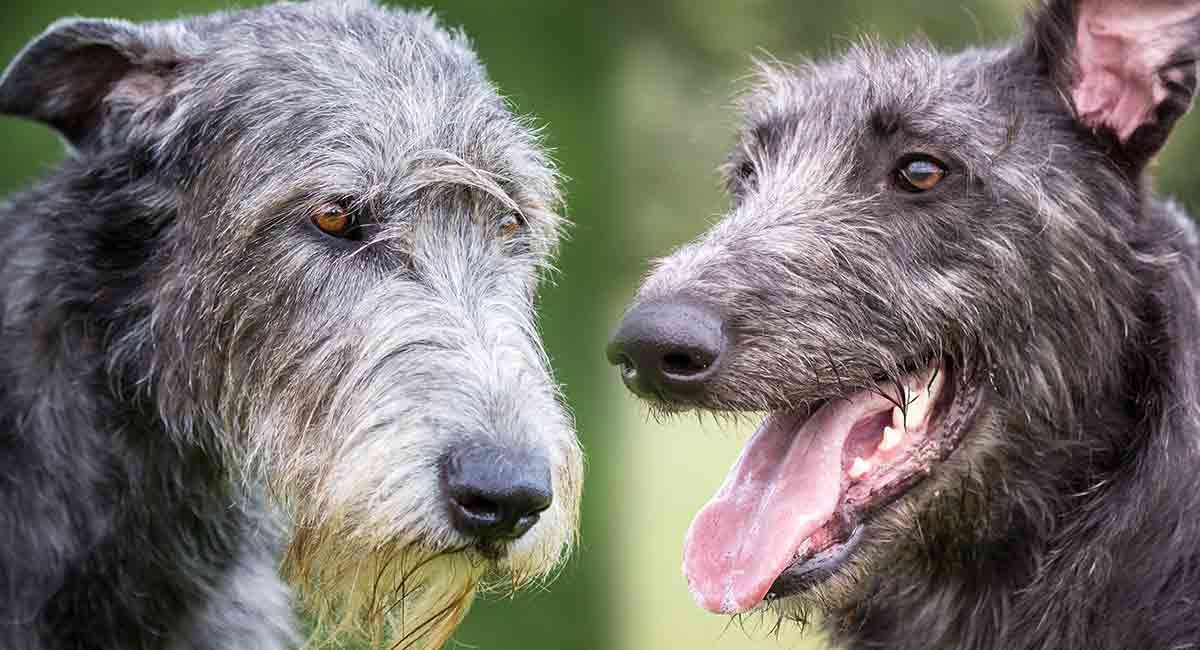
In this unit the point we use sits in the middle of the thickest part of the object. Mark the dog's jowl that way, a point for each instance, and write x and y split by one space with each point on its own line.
973 328
276 308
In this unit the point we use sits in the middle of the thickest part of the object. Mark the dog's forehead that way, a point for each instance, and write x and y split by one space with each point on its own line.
871 88
358 86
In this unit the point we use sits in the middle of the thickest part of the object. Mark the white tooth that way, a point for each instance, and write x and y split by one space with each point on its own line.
935 384
897 418
918 406
859 468
891 437
915 414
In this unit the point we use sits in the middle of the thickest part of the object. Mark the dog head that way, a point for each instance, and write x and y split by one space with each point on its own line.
336 230
928 258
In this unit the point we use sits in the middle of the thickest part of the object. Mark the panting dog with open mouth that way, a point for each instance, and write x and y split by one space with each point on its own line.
794 505
973 331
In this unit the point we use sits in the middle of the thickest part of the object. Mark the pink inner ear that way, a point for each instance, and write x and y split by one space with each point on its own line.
1122 47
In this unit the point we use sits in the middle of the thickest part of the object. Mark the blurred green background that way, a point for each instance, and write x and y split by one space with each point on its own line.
636 98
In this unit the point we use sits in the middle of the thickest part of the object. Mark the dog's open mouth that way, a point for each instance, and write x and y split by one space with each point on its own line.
793 506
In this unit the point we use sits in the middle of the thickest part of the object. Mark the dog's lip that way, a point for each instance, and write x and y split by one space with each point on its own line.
955 414
805 573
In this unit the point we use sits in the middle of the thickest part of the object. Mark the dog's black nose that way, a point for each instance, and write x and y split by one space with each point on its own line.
495 493
668 349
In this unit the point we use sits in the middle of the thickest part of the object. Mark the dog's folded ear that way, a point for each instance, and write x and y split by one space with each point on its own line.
1129 67
89 79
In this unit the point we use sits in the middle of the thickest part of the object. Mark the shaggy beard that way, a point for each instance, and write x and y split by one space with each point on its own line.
398 596
411 593
372 553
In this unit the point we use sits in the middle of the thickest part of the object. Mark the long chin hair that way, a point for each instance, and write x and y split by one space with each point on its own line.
412 593
399 596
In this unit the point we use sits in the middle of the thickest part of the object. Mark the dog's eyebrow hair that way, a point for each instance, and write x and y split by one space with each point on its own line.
447 168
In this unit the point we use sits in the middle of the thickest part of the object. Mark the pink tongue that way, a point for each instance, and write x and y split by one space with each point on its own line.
785 486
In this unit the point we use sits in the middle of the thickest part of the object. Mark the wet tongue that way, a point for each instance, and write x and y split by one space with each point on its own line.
784 487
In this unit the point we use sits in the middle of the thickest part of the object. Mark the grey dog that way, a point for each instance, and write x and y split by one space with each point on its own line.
275 308
974 329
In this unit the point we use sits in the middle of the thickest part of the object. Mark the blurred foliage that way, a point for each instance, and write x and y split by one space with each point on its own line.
636 99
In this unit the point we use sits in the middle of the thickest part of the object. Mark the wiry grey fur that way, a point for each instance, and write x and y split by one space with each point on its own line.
182 351
1070 514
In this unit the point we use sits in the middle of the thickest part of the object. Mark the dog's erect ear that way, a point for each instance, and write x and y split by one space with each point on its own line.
86 78
1129 67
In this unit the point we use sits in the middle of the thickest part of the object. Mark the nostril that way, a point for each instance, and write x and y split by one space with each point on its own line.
627 367
683 364
477 507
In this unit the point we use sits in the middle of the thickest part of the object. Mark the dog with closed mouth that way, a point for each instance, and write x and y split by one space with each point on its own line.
277 307
973 328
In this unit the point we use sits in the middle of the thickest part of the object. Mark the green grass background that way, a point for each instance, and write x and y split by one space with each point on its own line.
635 96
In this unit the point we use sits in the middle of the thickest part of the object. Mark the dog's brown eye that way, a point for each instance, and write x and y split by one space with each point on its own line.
920 174
333 219
510 225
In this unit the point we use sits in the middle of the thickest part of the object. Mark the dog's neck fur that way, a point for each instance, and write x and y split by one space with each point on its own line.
69 419
1018 583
